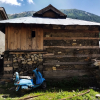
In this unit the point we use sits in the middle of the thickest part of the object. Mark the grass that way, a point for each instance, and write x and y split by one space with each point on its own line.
54 91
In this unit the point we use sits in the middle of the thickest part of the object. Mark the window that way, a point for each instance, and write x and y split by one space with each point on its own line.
33 34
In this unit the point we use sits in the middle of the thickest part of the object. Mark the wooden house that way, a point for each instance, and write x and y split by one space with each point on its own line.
3 16
65 46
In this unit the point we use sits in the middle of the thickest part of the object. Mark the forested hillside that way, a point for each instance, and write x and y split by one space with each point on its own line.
71 13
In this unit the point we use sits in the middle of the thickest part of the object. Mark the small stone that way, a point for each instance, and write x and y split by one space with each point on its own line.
74 40
40 55
16 66
32 56
13 55
73 90
47 35
59 52
22 59
97 95
35 54
29 59
23 62
57 65
40 60
30 62
74 44
35 58
8 65
14 60
32 59
54 68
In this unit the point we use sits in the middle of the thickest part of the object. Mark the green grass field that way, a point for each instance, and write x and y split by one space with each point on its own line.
52 92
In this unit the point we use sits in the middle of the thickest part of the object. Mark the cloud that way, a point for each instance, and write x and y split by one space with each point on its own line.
12 2
30 1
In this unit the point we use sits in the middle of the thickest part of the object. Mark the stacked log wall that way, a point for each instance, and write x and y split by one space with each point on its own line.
70 51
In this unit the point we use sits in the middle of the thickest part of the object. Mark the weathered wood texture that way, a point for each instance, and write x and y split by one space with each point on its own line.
70 38
50 14
70 50
64 73
20 38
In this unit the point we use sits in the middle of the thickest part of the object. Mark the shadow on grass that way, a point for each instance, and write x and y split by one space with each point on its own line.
8 89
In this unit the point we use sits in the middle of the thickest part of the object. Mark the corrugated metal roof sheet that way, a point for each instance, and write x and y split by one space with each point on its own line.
38 20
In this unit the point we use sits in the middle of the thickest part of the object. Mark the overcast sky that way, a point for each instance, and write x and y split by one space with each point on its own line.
18 6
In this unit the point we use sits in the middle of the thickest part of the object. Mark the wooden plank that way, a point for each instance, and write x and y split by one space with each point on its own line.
39 39
77 55
8 68
6 38
18 36
9 38
15 37
7 62
23 38
64 73
28 39
34 44
73 47
66 63
69 38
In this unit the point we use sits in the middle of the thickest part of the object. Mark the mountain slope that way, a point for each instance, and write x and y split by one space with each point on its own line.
79 14
71 13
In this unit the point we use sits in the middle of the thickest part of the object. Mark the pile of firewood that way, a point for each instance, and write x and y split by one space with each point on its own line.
25 63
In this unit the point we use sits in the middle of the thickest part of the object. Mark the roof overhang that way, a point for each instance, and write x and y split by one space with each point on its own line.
3 13
47 21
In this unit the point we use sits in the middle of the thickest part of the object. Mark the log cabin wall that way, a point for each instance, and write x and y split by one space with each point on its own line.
70 50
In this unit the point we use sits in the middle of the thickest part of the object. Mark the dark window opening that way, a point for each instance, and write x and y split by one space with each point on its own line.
33 34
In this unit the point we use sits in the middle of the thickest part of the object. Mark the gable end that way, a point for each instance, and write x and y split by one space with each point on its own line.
50 12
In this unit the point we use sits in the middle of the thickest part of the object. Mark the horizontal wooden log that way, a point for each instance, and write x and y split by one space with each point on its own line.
7 62
8 68
77 55
70 38
7 76
27 52
64 73
73 47
72 30
66 63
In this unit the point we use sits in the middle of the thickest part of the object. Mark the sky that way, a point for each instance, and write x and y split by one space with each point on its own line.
18 6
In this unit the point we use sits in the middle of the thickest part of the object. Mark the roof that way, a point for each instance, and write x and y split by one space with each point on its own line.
3 13
52 21
48 8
